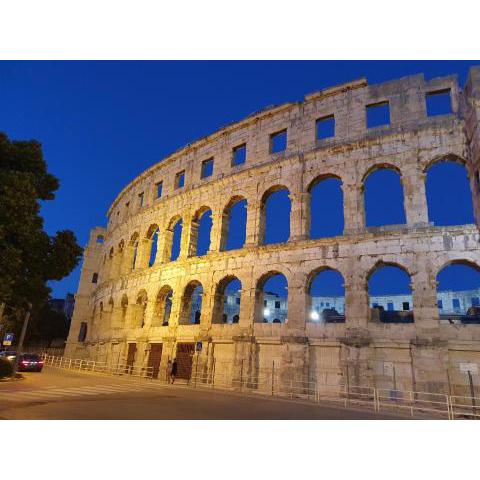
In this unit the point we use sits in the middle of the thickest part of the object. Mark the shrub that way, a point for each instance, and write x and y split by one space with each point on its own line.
6 368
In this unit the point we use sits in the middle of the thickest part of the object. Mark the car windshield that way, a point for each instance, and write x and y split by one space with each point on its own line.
30 356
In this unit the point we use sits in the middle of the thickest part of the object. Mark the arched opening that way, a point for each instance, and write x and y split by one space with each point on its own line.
163 307
275 216
124 308
458 293
100 239
201 231
141 309
390 295
449 196
191 308
227 301
174 238
326 207
134 250
327 297
152 236
383 198
234 224
271 298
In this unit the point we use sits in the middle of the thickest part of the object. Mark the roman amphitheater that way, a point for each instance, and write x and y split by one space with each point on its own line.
140 304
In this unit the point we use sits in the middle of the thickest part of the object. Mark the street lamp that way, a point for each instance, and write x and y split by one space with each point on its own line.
314 315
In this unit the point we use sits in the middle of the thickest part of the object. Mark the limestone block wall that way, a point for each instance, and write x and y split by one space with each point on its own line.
123 306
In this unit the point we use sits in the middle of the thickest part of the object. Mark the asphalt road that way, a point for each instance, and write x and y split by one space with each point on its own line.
66 395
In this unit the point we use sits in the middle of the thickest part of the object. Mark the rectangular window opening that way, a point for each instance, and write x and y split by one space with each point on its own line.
406 305
378 115
180 179
325 127
239 155
278 141
440 304
277 304
456 303
438 103
141 197
390 306
159 189
207 168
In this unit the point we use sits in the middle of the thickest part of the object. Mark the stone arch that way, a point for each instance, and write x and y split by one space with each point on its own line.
383 198
325 300
134 244
444 176
325 204
151 241
234 224
191 304
124 309
275 302
458 292
141 307
226 305
163 306
394 303
173 238
200 232
275 213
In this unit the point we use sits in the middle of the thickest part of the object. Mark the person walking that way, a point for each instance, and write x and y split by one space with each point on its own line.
173 372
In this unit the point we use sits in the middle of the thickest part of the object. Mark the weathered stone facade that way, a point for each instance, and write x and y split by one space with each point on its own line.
426 353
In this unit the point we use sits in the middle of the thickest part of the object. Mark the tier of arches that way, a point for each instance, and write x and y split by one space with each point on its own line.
277 219
226 302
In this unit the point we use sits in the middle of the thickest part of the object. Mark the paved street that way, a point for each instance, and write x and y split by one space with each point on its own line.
61 394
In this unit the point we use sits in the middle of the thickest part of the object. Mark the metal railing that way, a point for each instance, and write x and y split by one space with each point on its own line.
267 382
82 365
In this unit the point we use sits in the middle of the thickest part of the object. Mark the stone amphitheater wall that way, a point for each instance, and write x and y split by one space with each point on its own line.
426 353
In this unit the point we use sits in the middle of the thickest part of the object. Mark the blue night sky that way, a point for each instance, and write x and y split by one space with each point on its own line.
103 123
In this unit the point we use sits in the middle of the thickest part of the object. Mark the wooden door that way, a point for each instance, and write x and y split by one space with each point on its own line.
132 350
155 357
184 357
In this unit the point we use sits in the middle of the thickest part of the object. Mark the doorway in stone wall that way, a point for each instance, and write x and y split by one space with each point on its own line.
132 350
154 358
184 358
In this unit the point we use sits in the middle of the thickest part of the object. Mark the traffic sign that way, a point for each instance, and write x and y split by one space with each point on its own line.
8 339
388 368
468 367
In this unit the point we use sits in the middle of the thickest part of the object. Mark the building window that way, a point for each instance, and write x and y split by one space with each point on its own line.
277 304
406 305
456 303
278 142
325 127
95 278
180 179
390 306
438 103
158 189
239 155
475 301
440 304
237 300
207 168
127 205
100 239
264 303
141 197
378 115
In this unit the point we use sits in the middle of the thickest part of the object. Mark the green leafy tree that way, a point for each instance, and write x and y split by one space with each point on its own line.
29 257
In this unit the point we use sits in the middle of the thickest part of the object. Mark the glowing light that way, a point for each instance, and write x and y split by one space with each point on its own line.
266 312
314 315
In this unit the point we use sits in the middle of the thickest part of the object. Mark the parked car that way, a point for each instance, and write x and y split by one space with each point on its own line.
29 362
8 354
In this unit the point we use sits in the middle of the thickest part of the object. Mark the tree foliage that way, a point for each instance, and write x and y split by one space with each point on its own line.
29 257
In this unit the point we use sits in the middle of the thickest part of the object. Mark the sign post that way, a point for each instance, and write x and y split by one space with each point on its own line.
470 368
8 339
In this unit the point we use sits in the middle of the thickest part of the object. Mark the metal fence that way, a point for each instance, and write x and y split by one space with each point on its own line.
119 369
269 382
